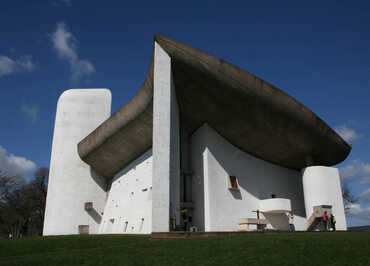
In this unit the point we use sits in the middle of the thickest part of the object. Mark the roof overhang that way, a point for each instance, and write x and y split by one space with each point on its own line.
252 114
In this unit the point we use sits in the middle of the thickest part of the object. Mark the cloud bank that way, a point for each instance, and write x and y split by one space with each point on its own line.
65 45
9 66
31 112
356 169
15 165
357 211
347 133
365 196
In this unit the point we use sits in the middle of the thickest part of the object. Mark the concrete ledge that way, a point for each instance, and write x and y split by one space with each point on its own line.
276 205
252 221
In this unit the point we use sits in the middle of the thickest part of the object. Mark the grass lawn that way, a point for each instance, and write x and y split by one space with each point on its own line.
331 248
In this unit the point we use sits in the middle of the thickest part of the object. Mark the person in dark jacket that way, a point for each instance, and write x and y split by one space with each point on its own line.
333 221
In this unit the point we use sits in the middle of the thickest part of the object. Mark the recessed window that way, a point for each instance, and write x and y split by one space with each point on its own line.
233 183
83 229
89 206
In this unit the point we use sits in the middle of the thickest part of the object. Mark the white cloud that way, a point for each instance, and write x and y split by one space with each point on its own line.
7 66
81 68
348 134
365 196
356 169
65 45
10 66
365 180
355 210
15 165
30 111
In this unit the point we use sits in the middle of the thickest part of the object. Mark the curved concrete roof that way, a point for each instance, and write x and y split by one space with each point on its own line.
252 114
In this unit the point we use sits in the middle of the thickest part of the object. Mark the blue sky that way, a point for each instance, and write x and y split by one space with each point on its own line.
318 52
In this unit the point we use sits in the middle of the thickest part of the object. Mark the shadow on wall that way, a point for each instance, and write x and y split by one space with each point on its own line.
132 166
99 180
197 189
236 194
95 215
279 221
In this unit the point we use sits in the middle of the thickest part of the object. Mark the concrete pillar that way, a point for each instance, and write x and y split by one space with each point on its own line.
166 145
71 181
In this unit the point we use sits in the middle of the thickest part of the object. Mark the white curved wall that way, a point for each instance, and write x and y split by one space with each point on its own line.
129 205
71 181
321 186
217 208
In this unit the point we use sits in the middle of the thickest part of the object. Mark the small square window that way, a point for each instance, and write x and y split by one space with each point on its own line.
233 183
89 206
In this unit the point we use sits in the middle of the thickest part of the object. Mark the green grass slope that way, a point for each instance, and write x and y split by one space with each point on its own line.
339 248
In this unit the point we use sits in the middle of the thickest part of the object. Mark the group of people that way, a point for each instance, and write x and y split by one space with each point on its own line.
328 221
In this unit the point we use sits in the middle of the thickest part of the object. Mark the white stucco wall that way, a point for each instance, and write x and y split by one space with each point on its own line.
128 209
71 181
322 186
213 159
166 145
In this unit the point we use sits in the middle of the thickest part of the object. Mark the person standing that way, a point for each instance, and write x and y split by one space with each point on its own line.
185 220
325 220
333 221
291 222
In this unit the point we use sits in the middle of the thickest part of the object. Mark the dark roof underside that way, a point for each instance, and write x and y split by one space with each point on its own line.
252 114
